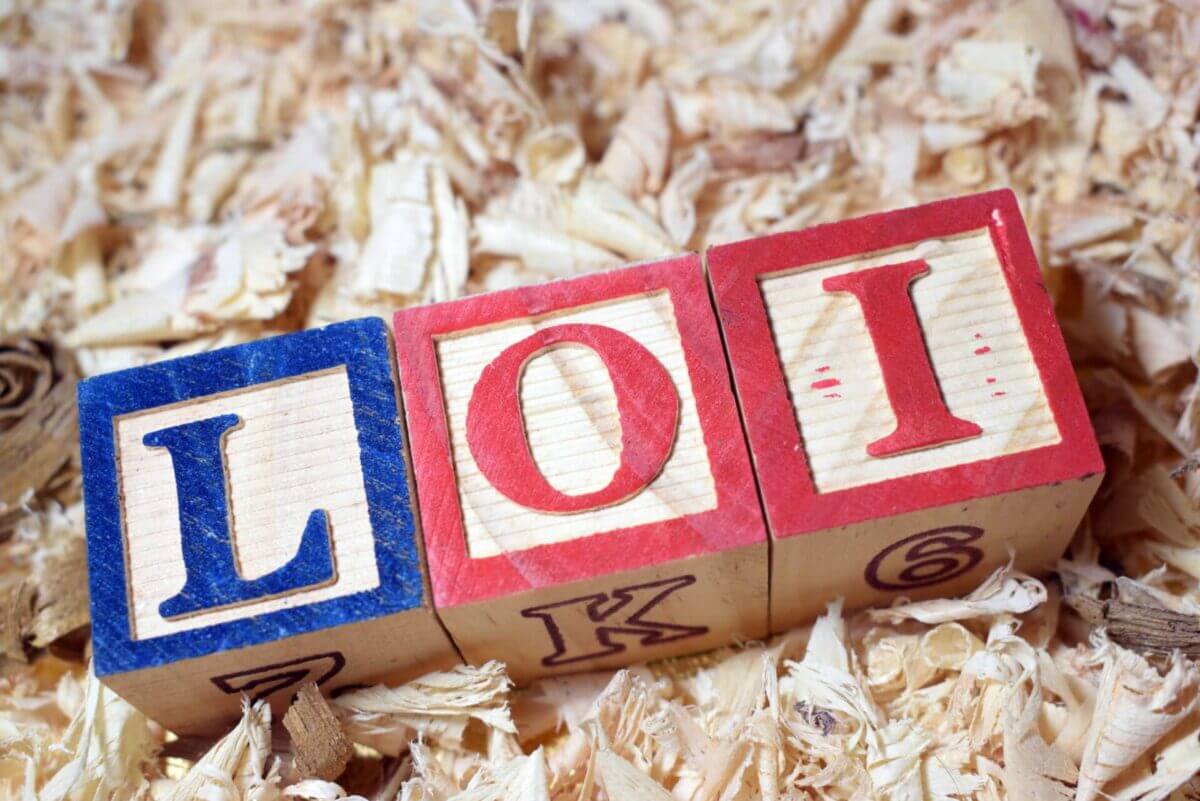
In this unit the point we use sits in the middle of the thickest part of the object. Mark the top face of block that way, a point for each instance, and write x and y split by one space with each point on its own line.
573 429
244 495
899 361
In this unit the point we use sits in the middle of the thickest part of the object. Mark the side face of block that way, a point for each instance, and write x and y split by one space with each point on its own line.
909 401
250 526
585 490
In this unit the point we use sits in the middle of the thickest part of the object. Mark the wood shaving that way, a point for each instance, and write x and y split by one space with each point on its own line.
239 766
102 753
45 597
177 177
321 749
438 706
37 423
1135 708
1006 591
1135 617
317 790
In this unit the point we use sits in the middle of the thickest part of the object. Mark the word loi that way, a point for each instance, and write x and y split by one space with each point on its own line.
599 465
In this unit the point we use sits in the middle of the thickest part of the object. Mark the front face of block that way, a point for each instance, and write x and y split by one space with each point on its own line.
985 373
289 451
240 499
904 366
575 443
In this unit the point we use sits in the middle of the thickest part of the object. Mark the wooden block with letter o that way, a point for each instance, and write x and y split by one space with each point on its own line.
912 413
250 527
585 489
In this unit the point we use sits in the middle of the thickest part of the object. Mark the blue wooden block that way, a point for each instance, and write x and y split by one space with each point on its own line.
250 525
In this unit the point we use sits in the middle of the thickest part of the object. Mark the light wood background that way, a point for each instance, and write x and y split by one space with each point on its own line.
572 424
295 451
976 345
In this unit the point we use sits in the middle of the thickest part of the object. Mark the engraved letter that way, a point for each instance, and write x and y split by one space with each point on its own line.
202 487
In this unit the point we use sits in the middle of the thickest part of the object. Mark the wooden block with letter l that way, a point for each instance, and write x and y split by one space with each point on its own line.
250 526
585 489
912 413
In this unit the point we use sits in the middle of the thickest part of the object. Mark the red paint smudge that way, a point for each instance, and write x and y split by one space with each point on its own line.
991 379
832 395
999 394
826 383
983 350
979 336
824 368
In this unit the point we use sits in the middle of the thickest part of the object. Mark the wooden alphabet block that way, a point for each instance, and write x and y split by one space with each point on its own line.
912 413
585 490
250 526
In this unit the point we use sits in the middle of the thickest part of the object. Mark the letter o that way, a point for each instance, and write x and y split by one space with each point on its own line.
647 405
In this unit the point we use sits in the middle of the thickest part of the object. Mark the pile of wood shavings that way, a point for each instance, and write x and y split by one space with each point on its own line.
179 176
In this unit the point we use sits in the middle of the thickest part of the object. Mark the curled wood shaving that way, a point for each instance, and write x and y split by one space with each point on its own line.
1135 708
521 777
238 766
438 706
38 437
1033 768
636 158
103 751
1006 591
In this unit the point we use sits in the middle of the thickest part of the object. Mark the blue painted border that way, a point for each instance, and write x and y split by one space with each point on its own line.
363 347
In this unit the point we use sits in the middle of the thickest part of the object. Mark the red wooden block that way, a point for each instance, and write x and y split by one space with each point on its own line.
912 412
583 480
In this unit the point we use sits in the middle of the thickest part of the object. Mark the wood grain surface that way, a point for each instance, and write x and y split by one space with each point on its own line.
296 451
573 429
975 343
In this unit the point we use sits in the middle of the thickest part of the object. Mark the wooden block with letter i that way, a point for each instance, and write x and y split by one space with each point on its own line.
912 413
585 489
250 526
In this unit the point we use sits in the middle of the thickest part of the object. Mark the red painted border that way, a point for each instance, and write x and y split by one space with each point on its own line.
793 506
458 579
